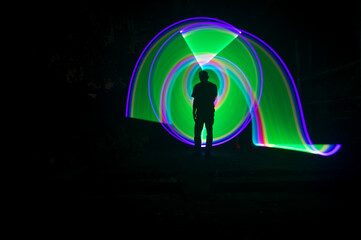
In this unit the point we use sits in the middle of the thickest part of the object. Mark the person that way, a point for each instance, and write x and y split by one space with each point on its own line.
204 94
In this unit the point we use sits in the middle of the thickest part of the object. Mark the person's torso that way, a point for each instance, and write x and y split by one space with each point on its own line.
206 93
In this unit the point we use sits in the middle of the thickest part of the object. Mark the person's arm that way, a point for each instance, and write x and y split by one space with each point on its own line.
194 94
194 110
215 92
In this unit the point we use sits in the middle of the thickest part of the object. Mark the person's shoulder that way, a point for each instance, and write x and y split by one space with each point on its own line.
198 85
195 90
213 85
210 83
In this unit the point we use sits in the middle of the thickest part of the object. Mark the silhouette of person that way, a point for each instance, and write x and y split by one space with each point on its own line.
204 94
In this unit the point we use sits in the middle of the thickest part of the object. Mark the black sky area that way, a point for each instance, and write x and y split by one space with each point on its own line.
77 58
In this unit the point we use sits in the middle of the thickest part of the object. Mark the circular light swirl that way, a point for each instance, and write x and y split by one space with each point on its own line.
174 72
225 71
167 70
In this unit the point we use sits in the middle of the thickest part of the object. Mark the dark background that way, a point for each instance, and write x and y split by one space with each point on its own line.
89 166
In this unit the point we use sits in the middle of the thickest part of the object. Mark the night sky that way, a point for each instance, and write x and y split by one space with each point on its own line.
78 57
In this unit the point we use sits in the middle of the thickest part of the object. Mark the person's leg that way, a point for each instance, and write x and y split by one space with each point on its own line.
209 128
198 126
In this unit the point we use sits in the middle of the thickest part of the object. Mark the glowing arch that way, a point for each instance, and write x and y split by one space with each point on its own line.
253 83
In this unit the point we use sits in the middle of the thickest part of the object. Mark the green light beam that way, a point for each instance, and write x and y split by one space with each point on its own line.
206 43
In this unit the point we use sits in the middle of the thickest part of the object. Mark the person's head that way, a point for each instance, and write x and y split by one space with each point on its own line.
203 76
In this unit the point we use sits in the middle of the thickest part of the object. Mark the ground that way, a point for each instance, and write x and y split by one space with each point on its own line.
247 192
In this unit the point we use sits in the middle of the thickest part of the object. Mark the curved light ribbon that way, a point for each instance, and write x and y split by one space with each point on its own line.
253 83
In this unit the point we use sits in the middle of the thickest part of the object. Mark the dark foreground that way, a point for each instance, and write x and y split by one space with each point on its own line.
253 193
